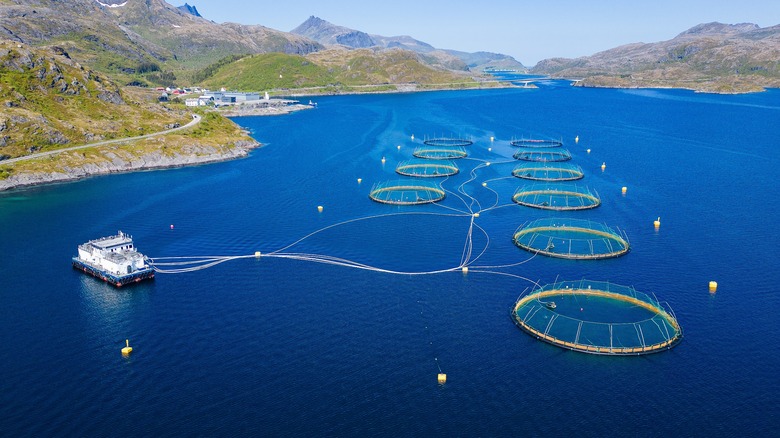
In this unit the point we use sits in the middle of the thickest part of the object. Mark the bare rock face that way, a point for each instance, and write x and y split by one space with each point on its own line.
111 97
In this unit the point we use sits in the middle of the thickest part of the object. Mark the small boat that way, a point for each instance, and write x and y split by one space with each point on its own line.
550 305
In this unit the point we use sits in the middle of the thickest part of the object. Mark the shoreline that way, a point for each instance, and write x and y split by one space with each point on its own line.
404 88
584 83
253 109
115 163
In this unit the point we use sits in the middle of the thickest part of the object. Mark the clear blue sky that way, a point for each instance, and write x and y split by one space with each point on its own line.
528 30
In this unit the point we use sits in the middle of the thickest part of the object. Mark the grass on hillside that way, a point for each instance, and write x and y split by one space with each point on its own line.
214 134
330 71
39 117
269 71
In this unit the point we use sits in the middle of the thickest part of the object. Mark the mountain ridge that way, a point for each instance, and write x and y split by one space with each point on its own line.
712 57
327 33
117 39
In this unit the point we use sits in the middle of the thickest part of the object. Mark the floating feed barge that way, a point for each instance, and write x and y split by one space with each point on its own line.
536 143
542 155
577 239
557 197
113 259
548 172
597 318
426 168
411 192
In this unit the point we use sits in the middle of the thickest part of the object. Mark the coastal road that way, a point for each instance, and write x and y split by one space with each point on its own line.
195 120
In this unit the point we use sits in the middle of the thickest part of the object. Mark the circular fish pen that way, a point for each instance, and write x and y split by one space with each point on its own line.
426 168
412 192
597 318
448 142
536 143
548 172
542 155
440 153
576 239
559 197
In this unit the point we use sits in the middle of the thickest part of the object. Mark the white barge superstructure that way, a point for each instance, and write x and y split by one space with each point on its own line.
113 259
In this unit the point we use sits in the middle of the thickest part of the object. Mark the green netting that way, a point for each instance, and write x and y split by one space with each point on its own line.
448 141
536 143
548 172
597 317
426 168
439 152
571 239
542 155
557 197
406 192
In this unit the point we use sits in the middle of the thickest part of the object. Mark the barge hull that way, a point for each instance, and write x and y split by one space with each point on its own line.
114 280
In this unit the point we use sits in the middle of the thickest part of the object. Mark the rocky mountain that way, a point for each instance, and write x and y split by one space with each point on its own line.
50 101
150 38
713 57
189 9
329 34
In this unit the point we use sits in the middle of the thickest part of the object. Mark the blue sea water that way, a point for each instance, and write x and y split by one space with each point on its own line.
272 346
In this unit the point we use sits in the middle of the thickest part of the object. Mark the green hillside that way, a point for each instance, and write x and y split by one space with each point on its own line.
50 101
333 70
262 72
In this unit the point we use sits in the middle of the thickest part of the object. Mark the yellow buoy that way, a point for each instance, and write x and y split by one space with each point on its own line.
603 166
258 254
383 160
624 189
476 215
577 139
713 286
442 378
465 269
491 138
588 150
127 349
319 208
484 184
360 180
657 222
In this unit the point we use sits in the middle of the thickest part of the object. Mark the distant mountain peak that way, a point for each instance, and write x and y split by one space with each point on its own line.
328 33
192 10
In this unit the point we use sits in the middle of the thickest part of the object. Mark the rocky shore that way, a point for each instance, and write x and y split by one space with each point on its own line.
117 160
262 110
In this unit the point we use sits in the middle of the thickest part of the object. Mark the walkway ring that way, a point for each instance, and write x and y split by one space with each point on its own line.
575 239
448 141
412 192
551 313
536 143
